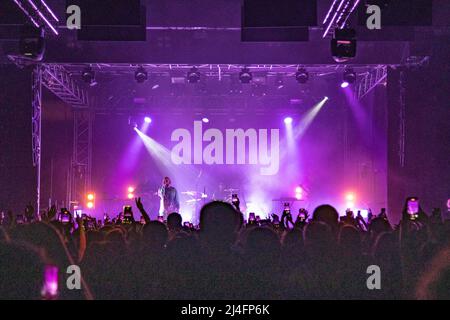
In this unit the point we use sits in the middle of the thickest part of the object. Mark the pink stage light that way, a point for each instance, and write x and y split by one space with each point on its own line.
205 120
299 193
344 84
288 120
350 196
130 189
350 205
148 120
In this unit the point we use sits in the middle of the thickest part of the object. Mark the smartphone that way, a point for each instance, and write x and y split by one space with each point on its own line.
187 224
412 207
20 219
127 215
161 219
287 207
251 216
64 216
234 198
302 214
50 286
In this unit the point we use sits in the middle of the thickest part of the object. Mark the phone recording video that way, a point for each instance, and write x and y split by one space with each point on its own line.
251 216
64 216
287 207
20 219
127 215
412 207
302 213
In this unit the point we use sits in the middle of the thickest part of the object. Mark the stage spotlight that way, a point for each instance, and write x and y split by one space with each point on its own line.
326 98
193 75
350 197
90 203
245 76
288 120
302 76
148 120
130 189
299 193
88 76
205 120
343 45
130 196
350 205
349 77
141 75
32 43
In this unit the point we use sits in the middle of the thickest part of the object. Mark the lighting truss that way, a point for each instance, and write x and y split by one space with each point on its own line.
39 13
36 130
81 164
370 80
338 14
61 83
214 70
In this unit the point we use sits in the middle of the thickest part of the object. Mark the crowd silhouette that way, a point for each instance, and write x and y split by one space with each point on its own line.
320 256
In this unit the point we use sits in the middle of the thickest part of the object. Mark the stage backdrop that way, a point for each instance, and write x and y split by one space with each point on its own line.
323 154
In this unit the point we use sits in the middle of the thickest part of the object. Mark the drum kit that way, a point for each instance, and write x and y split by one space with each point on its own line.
195 197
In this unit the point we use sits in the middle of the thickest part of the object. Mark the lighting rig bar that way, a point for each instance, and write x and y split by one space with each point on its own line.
60 82
337 15
35 10
370 80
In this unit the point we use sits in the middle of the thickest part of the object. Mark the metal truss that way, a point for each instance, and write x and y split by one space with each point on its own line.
402 119
370 80
337 15
61 83
117 69
36 129
81 166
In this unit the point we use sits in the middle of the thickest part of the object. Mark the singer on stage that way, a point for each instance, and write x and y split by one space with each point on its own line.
169 198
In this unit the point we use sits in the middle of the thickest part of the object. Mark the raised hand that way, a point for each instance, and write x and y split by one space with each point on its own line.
140 206
51 213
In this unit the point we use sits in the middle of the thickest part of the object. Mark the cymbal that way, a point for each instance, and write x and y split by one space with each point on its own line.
193 200
287 199
195 193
